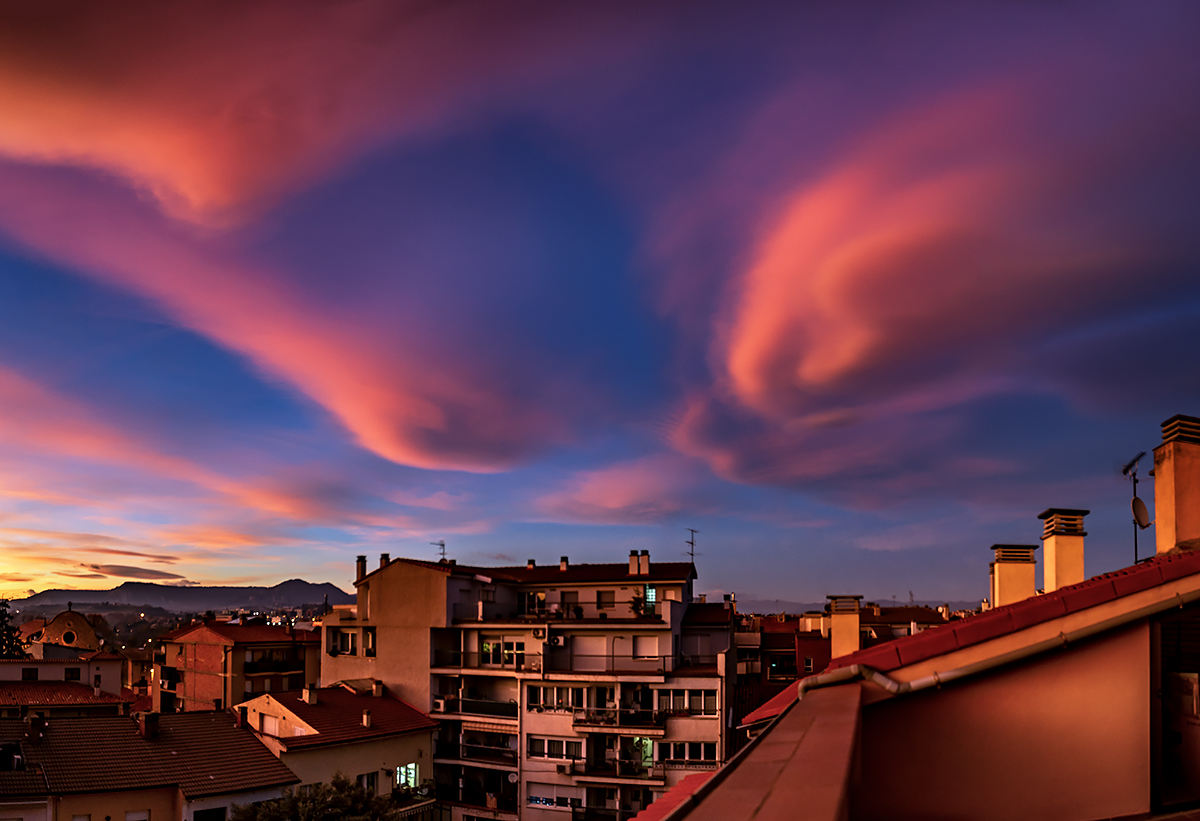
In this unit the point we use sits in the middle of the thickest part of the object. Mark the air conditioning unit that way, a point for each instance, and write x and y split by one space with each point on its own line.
566 769
439 705
539 633
556 641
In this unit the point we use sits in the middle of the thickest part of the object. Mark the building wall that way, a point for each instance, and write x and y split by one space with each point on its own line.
1063 736
163 803
406 602
382 756
229 802
82 634
25 810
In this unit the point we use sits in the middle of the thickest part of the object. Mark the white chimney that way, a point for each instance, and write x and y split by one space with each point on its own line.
633 562
563 563
843 625
644 563
1177 485
309 694
1062 547
366 719
1012 573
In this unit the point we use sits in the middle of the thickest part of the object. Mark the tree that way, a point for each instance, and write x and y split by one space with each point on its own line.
10 637
341 800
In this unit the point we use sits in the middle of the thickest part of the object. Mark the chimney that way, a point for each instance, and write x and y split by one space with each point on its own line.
96 691
702 598
1012 573
309 694
843 625
1177 485
530 564
1062 547
148 725
360 567
37 728
633 563
644 563
366 718
384 558
563 563
241 718
377 688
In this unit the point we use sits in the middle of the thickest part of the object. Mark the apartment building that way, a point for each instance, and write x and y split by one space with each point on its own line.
581 691
214 665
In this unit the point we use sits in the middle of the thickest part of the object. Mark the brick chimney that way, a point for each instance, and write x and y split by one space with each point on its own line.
148 725
530 564
644 563
309 694
360 567
564 563
384 558
843 627
1177 485
1012 573
1062 547
633 562
366 718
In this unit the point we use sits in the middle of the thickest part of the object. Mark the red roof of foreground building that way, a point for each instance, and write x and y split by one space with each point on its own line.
245 633
52 694
937 641
337 716
677 795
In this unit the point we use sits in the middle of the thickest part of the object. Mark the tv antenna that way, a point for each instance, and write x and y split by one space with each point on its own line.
1141 516
440 544
691 543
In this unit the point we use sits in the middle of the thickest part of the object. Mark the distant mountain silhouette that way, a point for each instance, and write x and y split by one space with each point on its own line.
292 593
769 606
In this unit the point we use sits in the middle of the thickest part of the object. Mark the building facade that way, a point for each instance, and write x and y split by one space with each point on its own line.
587 688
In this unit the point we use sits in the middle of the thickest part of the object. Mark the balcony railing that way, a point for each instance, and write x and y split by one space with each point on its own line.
622 768
517 662
594 814
492 611
475 706
620 717
476 752
273 666
566 661
476 798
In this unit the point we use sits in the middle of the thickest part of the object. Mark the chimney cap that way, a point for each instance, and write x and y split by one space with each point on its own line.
633 552
1181 428
1062 511
1013 547
645 552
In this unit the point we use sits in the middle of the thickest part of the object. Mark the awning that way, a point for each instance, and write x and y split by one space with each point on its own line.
485 727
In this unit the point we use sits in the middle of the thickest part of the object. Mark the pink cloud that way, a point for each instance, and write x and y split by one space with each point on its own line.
641 491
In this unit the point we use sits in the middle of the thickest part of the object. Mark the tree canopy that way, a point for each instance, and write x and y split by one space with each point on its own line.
341 800
10 637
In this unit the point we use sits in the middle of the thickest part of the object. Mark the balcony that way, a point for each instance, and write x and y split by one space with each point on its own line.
476 752
607 719
475 707
160 658
492 611
567 662
593 814
269 666
476 798
512 661
624 769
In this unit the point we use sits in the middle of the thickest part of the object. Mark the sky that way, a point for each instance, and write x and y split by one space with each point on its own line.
855 290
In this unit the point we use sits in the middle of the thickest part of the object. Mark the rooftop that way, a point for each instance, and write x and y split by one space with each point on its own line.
337 716
53 694
552 574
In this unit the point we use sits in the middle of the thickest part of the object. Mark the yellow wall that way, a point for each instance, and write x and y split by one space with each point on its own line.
162 803
1065 736
1176 494
1063 555
1014 581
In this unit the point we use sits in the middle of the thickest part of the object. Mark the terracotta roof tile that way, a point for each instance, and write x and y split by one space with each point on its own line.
201 753
675 796
337 717
244 633
52 694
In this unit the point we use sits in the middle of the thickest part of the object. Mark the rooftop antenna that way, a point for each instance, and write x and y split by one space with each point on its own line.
691 543
1141 516
440 544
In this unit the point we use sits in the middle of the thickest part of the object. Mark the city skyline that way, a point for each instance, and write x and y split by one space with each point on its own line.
855 292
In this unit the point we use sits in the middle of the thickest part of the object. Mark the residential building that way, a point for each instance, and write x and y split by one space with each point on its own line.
214 665
192 767
356 728
1075 704
90 685
590 687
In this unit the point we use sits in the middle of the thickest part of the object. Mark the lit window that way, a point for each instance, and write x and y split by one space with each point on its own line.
408 777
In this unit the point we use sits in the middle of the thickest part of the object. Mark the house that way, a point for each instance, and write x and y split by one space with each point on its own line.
188 767
1078 703
212 665
358 729
587 687
90 685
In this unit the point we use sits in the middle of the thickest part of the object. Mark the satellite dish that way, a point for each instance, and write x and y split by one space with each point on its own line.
512 778
1140 514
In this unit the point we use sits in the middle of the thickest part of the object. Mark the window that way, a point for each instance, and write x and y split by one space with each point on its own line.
688 702
96 680
556 698
808 664
29 674
69 637
554 795
569 599
645 647
369 782
408 776
606 599
212 814
561 748
348 642
369 642
138 815
71 674
679 752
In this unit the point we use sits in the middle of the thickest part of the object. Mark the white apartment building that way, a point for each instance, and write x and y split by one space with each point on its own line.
562 692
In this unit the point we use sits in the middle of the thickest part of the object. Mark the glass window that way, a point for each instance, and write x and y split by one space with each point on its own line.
677 700
72 674
537 746
696 701
369 642
575 749
569 598
606 599
808 664
29 674
710 751
408 776
535 696
710 702
554 748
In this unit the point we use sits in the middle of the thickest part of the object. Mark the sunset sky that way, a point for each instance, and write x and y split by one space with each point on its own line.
857 290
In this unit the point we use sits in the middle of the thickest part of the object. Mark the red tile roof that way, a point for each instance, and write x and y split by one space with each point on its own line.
52 694
551 574
675 796
201 753
1017 616
104 655
1001 621
245 633
337 717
